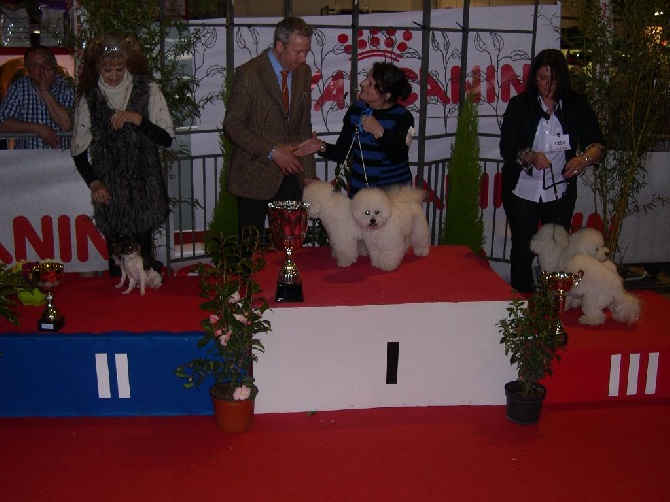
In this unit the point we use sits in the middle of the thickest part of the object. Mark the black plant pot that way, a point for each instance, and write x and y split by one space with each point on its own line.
524 409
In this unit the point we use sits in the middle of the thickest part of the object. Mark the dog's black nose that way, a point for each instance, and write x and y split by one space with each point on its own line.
373 222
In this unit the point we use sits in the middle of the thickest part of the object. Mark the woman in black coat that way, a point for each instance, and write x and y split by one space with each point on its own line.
549 135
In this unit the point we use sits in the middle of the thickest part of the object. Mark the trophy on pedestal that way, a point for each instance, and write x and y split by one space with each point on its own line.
49 275
288 224
561 282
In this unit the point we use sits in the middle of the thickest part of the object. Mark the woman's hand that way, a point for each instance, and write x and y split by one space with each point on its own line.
539 160
122 116
99 193
308 147
372 125
575 166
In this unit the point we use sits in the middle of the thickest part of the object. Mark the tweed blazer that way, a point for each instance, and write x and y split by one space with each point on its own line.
254 123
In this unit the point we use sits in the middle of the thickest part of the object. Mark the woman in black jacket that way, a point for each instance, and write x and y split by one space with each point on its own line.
549 135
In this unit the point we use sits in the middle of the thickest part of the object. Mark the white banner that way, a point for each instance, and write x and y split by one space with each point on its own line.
500 44
45 211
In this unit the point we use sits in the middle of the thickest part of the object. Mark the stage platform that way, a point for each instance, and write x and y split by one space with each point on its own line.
422 335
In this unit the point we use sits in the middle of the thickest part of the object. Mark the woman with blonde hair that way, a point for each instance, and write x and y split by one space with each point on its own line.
121 120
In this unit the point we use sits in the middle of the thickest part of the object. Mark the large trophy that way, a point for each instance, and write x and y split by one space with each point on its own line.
288 224
562 283
48 276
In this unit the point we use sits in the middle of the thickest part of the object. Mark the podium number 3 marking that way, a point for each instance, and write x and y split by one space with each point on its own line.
102 372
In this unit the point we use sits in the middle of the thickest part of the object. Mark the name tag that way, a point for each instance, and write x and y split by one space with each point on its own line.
559 142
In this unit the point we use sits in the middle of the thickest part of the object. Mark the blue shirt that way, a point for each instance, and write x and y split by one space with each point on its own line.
277 67
22 103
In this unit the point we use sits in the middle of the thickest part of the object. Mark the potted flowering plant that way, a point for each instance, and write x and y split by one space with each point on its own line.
12 282
236 307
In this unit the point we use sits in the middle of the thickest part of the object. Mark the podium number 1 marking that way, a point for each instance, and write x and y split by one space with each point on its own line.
122 380
392 354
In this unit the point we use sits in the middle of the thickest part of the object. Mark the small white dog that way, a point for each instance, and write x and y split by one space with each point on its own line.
550 244
600 287
334 210
589 242
391 221
126 254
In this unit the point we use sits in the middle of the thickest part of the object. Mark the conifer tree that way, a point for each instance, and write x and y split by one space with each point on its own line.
463 222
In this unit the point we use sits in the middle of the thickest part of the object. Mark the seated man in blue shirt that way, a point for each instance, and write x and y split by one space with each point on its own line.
39 103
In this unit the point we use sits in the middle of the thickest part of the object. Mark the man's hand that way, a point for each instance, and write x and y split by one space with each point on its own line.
48 78
284 157
47 135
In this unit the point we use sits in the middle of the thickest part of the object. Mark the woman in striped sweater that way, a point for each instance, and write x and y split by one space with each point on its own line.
377 132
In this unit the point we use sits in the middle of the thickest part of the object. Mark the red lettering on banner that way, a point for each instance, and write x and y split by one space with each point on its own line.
85 232
509 79
5 256
44 245
334 91
64 239
490 81
24 232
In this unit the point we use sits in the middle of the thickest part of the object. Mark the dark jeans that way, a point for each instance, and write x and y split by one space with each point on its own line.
524 218
252 212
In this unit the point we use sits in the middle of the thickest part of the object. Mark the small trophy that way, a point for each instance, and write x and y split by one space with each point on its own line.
562 282
49 276
288 224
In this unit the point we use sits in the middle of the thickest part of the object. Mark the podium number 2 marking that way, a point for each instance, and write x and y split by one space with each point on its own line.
122 380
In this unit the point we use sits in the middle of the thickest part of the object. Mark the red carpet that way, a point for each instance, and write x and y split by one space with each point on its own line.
449 274
575 453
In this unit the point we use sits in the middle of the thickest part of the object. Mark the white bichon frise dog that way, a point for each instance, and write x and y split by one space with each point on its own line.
550 244
600 288
589 242
391 220
334 210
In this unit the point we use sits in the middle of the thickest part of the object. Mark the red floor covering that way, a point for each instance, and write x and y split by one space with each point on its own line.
615 452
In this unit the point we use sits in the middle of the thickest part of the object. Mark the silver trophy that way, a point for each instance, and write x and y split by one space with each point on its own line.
49 276
288 224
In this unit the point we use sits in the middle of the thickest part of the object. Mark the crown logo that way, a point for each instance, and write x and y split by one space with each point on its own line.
381 44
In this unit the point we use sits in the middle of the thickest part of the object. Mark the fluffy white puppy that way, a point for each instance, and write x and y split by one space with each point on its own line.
588 242
391 221
600 288
550 244
334 210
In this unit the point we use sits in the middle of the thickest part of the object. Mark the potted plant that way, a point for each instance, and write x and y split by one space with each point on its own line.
531 340
12 282
236 308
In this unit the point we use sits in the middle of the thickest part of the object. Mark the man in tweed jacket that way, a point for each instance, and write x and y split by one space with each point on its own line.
263 166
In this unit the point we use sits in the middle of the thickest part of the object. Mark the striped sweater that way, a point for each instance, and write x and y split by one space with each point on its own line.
375 162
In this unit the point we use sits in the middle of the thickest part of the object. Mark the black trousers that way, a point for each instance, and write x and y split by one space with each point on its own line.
524 218
252 212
